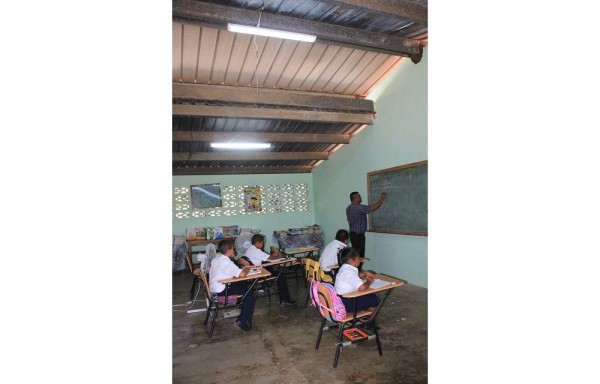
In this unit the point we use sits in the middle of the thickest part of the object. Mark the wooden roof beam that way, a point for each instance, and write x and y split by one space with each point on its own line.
238 170
250 112
262 137
192 11
275 97
244 156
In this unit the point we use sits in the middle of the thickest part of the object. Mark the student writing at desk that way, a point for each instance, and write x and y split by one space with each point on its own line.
329 256
349 279
256 255
222 267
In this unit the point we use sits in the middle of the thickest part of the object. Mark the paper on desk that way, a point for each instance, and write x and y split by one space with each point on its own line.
253 271
378 283
271 260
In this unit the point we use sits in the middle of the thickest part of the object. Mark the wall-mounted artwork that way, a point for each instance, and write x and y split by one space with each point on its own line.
206 196
252 199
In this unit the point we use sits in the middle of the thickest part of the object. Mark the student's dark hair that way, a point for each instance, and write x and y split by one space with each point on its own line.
352 195
224 246
257 237
342 235
349 253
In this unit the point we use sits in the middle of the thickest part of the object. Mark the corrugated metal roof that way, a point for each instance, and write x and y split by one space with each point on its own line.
235 84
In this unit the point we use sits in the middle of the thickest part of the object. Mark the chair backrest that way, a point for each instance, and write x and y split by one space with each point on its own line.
317 273
327 301
231 299
313 270
305 263
324 277
203 279
211 252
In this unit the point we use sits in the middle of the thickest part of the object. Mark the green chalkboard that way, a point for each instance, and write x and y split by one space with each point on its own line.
404 211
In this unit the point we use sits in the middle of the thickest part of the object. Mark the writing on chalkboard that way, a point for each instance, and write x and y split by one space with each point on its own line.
404 211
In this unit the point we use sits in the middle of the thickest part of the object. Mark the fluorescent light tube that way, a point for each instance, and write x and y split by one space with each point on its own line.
271 32
241 145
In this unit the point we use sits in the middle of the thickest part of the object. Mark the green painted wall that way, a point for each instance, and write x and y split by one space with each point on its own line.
267 222
399 136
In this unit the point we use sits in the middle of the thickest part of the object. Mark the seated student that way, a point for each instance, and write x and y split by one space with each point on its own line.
256 255
348 279
222 267
329 256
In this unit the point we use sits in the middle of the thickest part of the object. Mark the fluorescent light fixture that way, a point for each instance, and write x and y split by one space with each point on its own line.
270 32
241 145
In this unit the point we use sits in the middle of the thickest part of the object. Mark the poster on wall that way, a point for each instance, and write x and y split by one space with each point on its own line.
206 196
252 199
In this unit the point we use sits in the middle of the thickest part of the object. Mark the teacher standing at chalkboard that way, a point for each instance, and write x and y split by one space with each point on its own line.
356 213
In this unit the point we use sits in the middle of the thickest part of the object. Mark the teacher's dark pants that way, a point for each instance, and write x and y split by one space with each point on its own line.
358 242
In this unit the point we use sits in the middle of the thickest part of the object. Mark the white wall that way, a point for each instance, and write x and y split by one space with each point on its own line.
399 136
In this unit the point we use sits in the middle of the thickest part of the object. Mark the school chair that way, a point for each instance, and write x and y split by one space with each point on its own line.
214 306
267 284
210 253
347 323
313 271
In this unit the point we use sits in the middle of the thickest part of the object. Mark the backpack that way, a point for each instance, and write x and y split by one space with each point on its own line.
339 310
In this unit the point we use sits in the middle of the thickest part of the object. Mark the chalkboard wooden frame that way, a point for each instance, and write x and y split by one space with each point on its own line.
372 199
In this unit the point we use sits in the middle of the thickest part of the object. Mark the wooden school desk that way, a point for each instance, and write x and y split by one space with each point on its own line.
300 252
256 276
395 283
355 294
262 274
283 264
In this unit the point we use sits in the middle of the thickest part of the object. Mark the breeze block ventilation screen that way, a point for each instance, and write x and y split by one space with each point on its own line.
276 198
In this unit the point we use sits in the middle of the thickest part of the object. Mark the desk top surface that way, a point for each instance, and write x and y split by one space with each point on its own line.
294 251
283 260
263 273
395 283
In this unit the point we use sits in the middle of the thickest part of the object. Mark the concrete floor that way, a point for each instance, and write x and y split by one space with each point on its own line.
281 348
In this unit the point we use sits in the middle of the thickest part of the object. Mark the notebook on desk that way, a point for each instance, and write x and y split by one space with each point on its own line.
254 271
378 283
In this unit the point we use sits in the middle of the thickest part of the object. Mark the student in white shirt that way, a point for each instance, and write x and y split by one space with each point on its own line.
222 267
349 279
256 255
329 256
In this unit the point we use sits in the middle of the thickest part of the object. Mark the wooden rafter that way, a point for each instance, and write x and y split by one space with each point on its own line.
250 112
192 11
264 137
273 97
238 170
243 156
